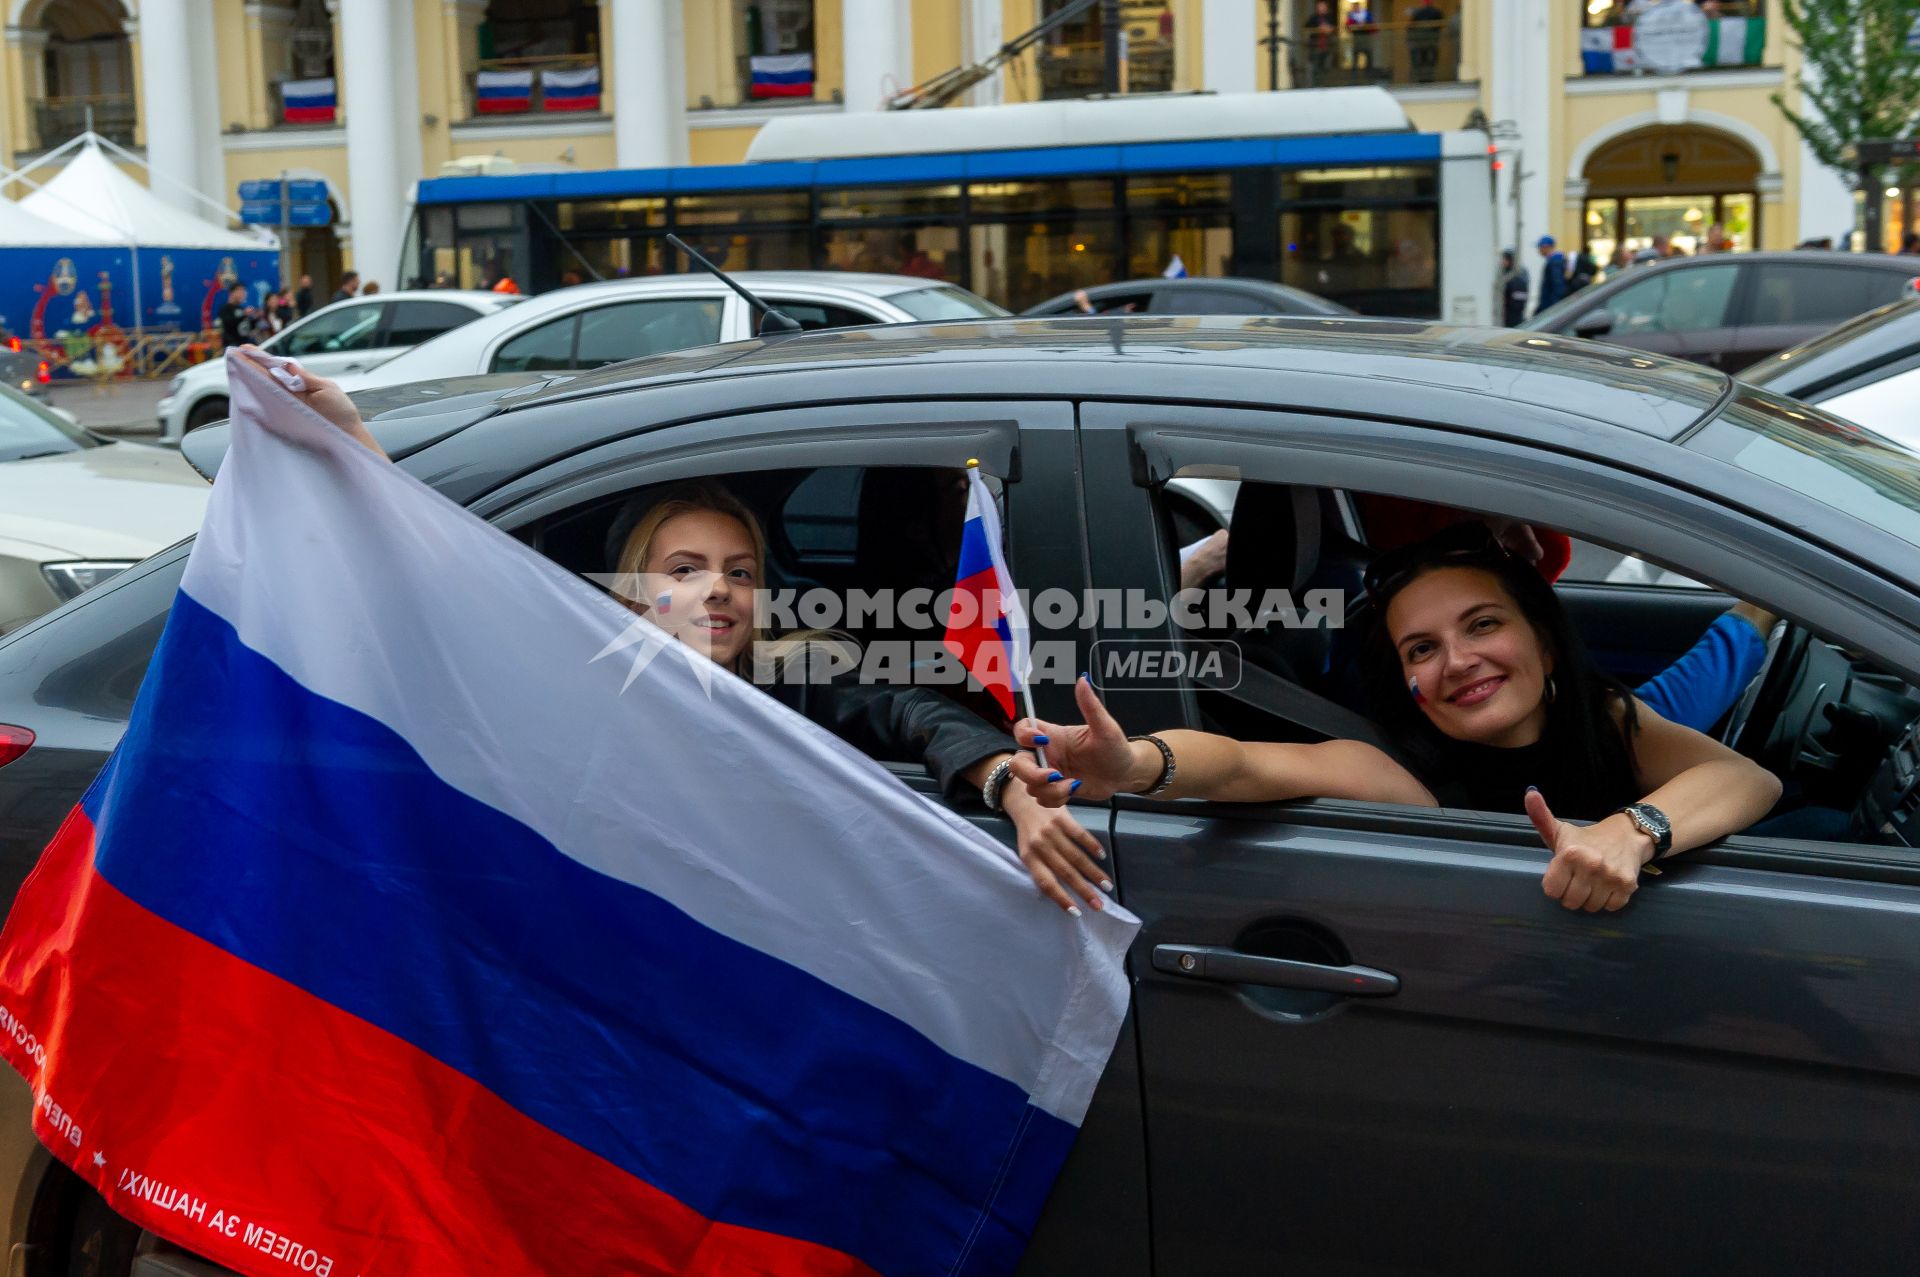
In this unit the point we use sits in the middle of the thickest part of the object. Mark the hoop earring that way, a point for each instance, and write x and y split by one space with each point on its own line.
1551 690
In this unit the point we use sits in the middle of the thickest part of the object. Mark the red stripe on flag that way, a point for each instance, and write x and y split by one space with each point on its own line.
501 106
236 1115
572 104
308 114
782 90
979 644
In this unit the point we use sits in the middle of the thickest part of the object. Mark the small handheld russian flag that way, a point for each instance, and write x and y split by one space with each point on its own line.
986 625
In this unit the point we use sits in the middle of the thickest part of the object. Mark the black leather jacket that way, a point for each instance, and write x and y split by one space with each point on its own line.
900 724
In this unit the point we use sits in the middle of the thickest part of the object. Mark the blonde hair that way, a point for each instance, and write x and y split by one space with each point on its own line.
688 498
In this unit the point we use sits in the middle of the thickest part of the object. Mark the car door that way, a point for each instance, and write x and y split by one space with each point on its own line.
1786 303
345 337
1370 1044
1685 312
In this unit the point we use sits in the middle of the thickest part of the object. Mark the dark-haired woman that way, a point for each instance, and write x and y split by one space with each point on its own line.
1480 680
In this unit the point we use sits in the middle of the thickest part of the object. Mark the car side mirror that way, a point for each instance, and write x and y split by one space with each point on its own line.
1595 323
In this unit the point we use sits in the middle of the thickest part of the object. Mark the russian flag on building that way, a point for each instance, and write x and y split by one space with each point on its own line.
782 75
308 101
986 624
385 944
502 92
576 90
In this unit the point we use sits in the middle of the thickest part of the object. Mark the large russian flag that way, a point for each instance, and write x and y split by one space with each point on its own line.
395 939
986 621
309 101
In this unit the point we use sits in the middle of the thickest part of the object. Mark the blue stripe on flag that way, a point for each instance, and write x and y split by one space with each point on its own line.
741 1085
783 77
976 555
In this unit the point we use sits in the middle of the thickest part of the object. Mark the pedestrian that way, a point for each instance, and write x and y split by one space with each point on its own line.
303 300
283 308
1583 271
371 287
236 318
1553 273
1910 244
349 285
1514 288
1323 27
1423 41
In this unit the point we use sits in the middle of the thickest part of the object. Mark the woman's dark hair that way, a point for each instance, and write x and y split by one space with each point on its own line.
1590 750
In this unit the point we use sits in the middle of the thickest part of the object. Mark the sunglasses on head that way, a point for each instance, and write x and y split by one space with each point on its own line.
1469 542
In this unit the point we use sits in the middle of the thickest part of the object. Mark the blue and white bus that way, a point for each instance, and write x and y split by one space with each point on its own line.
1330 190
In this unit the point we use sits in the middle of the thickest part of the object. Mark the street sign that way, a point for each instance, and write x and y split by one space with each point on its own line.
259 213
260 202
260 191
309 214
1887 150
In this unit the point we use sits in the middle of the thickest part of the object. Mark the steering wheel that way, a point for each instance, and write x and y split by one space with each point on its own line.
1761 704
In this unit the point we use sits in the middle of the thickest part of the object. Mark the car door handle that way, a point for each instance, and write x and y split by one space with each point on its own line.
1230 966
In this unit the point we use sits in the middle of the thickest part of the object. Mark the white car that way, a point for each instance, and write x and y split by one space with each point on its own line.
1867 370
76 509
593 324
345 337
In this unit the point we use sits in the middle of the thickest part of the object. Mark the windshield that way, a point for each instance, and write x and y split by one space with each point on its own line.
29 430
1842 465
946 302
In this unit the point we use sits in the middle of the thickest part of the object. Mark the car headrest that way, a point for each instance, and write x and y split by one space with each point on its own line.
1274 539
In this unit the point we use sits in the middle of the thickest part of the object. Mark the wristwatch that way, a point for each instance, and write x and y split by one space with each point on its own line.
1652 822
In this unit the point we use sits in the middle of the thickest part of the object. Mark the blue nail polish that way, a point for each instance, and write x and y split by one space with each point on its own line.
1041 740
1052 776
1074 786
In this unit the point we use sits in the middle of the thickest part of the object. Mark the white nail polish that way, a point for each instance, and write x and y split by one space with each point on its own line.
1106 885
1074 910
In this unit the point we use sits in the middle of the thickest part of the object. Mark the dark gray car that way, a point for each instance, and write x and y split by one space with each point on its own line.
1730 309
1225 296
1724 1078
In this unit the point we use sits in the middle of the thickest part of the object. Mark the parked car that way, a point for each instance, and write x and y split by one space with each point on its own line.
593 324
76 509
1729 309
1226 296
1737 1053
1866 370
23 369
334 341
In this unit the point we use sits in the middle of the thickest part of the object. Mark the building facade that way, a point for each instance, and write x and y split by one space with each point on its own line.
1609 132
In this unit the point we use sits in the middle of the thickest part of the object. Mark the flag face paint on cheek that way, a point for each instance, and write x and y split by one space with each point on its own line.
1419 697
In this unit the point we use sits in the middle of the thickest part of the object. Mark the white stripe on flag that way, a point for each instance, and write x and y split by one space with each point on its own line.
321 88
782 63
504 80
368 588
583 78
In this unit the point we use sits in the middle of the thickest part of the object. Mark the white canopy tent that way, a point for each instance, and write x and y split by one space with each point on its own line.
21 228
98 200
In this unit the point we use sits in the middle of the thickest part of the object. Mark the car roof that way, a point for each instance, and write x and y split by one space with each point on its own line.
1263 288
425 294
1379 366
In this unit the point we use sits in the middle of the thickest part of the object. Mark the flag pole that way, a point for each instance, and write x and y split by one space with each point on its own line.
1026 690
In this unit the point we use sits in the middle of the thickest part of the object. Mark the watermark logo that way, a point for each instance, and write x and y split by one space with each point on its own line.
1138 664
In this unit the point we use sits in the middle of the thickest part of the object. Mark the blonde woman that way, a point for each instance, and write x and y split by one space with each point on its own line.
691 566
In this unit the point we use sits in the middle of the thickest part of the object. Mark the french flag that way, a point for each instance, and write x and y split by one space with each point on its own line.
576 90
394 939
986 624
502 92
308 101
782 75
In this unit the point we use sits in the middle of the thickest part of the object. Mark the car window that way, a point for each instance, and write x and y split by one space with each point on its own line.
1597 565
346 329
812 315
542 349
629 330
821 516
945 302
1796 293
1674 301
1131 303
1885 407
28 430
412 322
1209 301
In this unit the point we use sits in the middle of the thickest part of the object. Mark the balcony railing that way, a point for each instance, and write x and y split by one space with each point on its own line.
1079 69
560 85
1376 53
58 119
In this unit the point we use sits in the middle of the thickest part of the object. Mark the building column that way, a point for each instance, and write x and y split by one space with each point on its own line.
1521 84
876 39
383 131
208 124
26 85
983 39
169 112
460 45
1229 61
648 120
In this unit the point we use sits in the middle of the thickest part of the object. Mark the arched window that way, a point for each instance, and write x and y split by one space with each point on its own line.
87 70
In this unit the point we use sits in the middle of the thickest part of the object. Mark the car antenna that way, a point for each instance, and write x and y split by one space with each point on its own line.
778 320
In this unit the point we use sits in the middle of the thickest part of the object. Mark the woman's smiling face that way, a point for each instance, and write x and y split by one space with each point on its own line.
699 579
1470 657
